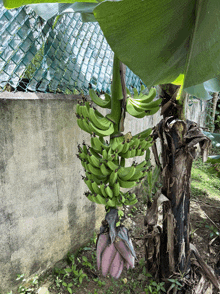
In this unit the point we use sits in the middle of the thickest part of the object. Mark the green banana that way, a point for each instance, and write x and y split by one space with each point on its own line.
85 111
146 98
102 133
141 165
97 179
113 177
99 122
96 188
82 126
90 196
109 191
153 111
137 175
127 154
116 143
143 135
112 202
105 154
95 153
93 160
102 189
130 108
125 173
116 188
139 151
105 171
126 146
99 199
112 165
145 106
79 109
98 145
100 102
122 162
89 184
133 152
126 184
94 170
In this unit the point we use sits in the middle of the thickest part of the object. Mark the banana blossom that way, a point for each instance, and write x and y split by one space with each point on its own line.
114 247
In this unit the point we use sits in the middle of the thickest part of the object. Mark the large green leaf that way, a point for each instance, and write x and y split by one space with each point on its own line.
214 159
17 3
215 138
48 10
162 39
202 90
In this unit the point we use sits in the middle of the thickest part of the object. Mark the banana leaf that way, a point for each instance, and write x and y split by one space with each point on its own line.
214 159
161 40
9 4
49 10
215 138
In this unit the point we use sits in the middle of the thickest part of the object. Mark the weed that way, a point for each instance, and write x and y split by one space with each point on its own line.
87 263
100 283
214 232
175 284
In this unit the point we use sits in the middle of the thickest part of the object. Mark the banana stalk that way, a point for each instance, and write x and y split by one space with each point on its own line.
104 164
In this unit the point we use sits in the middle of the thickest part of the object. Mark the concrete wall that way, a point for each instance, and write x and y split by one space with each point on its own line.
43 212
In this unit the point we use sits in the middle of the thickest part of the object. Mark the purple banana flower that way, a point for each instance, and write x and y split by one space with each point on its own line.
114 247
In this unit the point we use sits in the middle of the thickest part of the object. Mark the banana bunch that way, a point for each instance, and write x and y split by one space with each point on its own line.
105 171
90 120
141 105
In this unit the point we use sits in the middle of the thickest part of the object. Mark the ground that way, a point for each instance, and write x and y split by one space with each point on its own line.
78 273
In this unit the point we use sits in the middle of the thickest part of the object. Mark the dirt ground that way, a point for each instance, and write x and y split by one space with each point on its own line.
205 227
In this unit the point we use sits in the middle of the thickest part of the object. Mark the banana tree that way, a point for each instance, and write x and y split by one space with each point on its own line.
170 42
174 44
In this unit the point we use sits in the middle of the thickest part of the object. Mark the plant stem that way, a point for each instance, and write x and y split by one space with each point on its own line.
115 114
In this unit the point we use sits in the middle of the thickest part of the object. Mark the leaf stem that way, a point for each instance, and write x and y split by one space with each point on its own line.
115 114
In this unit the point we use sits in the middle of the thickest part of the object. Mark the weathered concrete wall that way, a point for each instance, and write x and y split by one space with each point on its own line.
43 212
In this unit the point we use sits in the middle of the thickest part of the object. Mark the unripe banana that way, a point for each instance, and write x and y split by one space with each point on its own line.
125 147
102 133
89 184
126 173
90 196
143 135
100 102
126 184
112 202
93 160
127 154
102 189
137 176
109 191
113 177
96 188
99 199
95 171
112 165
95 153
116 188
98 120
104 154
104 170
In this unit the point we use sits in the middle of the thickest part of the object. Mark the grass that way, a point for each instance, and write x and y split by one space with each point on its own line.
205 181
78 272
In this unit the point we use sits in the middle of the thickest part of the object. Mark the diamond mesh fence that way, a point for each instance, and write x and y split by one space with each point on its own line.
64 55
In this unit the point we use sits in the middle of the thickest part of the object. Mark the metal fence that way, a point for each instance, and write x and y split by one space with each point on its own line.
66 56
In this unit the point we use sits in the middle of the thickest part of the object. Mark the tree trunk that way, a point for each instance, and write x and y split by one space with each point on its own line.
214 104
178 138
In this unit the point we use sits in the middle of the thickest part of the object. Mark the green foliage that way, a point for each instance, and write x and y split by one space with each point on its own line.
175 284
214 232
14 4
151 184
170 57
